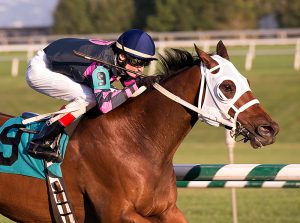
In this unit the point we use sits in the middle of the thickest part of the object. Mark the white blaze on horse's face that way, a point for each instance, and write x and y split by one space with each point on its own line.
215 104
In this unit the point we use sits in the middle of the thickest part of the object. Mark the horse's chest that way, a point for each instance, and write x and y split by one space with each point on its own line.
153 206
155 199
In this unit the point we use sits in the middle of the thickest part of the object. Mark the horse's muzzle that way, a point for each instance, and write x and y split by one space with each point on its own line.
264 134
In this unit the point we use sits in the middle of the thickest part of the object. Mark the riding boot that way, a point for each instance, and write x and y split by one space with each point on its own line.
43 145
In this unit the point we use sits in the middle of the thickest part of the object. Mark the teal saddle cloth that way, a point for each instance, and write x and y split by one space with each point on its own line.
13 156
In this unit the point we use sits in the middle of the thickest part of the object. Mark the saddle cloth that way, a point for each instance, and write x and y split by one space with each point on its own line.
14 137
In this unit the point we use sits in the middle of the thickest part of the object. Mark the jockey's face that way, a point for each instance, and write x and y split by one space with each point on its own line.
133 64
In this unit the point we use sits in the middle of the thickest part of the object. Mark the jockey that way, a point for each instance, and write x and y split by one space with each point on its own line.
57 72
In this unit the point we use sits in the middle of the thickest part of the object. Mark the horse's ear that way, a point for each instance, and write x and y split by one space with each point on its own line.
207 60
221 50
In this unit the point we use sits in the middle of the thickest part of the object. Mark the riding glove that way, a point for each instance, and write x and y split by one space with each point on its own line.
147 81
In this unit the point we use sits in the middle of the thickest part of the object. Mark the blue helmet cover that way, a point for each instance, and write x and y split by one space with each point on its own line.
137 43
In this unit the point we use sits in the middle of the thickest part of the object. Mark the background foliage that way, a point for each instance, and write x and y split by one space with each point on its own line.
110 16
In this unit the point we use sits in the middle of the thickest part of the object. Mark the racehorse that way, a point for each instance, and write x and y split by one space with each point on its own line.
118 166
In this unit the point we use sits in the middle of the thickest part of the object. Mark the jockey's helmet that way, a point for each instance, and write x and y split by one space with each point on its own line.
138 44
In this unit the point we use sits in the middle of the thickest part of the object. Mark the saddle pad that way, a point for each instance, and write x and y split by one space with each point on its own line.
13 156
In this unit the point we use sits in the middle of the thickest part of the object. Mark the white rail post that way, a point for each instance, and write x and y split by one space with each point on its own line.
15 67
250 56
297 56
230 143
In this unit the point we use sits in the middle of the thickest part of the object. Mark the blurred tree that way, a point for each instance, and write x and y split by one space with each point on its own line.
71 17
110 16
93 16
171 15
175 15
143 9
238 14
289 16
267 9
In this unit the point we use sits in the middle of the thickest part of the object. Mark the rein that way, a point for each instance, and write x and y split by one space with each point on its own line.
88 57
192 107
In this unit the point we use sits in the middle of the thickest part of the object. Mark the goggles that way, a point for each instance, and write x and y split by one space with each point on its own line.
137 62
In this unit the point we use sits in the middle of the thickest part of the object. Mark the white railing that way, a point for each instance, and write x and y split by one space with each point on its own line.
164 36
249 54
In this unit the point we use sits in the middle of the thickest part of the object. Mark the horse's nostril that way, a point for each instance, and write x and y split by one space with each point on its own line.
266 130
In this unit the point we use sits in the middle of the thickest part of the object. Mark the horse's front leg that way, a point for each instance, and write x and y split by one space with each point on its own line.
119 215
131 216
173 215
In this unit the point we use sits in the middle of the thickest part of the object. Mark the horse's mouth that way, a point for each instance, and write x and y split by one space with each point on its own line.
258 138
256 142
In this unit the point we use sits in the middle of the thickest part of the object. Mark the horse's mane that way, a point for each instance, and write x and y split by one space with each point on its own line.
175 60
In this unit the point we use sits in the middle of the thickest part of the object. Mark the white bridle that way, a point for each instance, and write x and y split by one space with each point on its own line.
215 102
215 106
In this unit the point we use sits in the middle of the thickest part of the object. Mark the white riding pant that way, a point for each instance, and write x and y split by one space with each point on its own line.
56 85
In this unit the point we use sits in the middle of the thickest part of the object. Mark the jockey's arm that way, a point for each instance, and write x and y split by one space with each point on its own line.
108 99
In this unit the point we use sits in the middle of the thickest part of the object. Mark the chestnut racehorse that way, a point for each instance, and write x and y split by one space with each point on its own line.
118 166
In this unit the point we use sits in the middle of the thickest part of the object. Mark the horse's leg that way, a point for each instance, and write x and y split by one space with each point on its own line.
173 215
115 209
131 216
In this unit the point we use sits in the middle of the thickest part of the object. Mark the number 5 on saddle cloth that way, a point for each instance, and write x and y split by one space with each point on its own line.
14 137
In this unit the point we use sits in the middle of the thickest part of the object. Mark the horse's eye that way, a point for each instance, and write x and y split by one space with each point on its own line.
228 88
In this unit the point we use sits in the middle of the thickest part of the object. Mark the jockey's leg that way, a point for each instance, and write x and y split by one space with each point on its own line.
43 145
56 85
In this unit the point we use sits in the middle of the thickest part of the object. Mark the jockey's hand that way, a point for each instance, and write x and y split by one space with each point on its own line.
147 81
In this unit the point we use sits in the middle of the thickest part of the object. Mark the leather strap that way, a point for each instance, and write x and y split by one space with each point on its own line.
62 210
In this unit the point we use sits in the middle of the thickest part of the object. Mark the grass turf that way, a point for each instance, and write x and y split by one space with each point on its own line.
275 84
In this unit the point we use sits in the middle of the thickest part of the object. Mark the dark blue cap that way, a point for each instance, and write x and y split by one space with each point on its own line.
137 43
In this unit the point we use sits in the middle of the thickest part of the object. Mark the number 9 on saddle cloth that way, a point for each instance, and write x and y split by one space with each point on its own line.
14 137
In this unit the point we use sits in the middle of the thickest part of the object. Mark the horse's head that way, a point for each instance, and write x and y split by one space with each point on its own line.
225 96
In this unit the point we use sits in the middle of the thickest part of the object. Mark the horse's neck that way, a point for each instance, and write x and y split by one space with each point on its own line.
165 123
176 121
